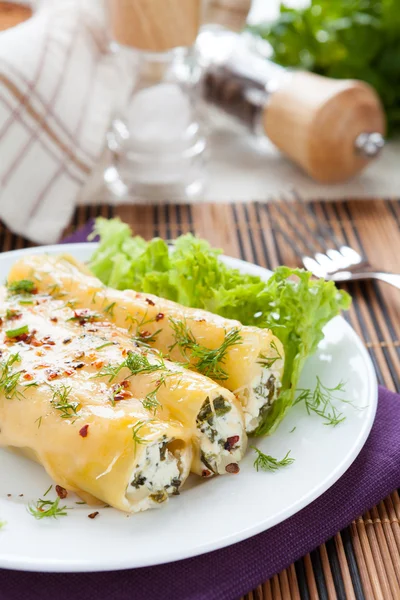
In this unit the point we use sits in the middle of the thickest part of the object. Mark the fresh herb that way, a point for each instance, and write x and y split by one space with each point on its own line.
144 320
80 502
264 462
3 524
84 316
11 313
209 361
105 345
60 401
9 380
291 431
110 309
24 286
39 421
138 439
350 39
47 508
293 305
145 338
268 361
13 333
48 490
150 402
55 291
137 363
321 401
25 301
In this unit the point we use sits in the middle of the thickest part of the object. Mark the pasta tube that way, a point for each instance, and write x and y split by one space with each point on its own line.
246 360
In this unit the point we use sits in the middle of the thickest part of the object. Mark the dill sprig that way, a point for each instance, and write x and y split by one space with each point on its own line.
209 362
137 438
150 401
110 309
60 401
13 333
47 508
145 338
137 363
265 462
105 345
9 380
321 402
24 286
268 361
139 322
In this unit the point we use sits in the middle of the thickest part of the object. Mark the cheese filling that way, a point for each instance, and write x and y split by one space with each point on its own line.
257 398
220 435
156 477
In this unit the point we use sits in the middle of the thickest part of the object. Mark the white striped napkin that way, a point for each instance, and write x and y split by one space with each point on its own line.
58 84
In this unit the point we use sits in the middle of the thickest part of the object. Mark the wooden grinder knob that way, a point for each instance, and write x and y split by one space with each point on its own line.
155 25
318 122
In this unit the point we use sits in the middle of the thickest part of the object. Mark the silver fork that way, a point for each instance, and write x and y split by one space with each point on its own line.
336 261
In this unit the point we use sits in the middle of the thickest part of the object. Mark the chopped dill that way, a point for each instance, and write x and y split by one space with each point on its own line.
150 402
110 309
24 286
138 364
39 421
291 431
13 333
48 490
265 462
60 401
135 432
209 362
321 402
8 380
105 345
47 508
139 322
11 313
268 361
80 502
145 338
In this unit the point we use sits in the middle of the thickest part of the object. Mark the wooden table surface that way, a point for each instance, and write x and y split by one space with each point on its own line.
363 560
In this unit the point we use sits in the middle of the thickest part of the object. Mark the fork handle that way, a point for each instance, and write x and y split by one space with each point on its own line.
392 278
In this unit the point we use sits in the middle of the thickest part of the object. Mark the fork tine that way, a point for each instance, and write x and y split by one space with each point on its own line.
322 231
288 219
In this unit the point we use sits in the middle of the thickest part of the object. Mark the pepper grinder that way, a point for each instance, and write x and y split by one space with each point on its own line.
156 138
331 128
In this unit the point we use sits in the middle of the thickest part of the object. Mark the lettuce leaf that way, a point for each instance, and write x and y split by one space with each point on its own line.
292 304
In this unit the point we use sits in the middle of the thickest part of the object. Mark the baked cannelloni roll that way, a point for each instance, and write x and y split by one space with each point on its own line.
246 360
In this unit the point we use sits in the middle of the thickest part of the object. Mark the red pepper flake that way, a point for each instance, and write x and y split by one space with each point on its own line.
150 301
9 495
67 340
159 316
93 515
1 321
52 374
27 376
61 492
124 352
84 431
68 372
20 495
205 473
231 442
144 334
54 319
232 468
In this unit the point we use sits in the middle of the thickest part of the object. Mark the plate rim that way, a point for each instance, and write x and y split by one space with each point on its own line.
75 565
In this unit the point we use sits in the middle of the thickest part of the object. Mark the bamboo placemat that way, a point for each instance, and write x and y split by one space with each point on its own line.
363 560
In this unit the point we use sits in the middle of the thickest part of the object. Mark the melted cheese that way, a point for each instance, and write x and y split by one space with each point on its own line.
105 438
244 363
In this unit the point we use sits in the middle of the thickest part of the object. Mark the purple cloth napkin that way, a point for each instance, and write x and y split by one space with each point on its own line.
227 574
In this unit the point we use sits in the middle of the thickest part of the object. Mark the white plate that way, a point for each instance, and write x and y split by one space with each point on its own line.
208 514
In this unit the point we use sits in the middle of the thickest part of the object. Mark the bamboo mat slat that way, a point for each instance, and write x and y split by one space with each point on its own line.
362 561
